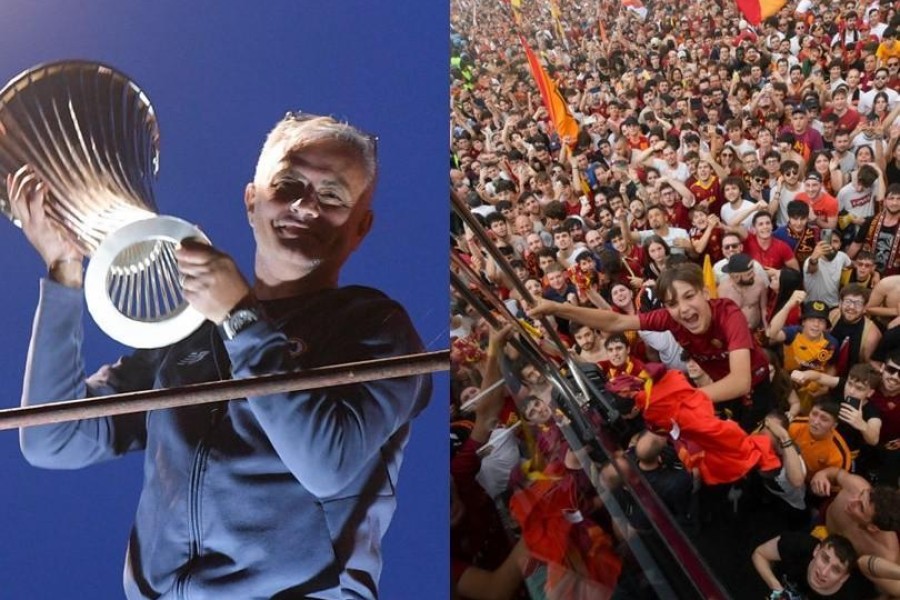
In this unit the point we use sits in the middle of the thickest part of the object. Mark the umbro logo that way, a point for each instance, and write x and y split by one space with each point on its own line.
193 358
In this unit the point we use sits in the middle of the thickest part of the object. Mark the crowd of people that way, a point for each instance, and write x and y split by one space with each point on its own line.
718 247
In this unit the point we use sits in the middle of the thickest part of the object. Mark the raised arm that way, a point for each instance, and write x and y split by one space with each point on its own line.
596 318
775 333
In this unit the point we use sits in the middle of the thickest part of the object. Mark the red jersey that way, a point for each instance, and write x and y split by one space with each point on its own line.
678 215
713 245
709 193
773 257
825 205
728 330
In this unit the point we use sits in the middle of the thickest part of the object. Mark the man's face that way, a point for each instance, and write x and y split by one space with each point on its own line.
864 267
533 242
892 204
821 423
704 170
656 218
814 327
860 507
857 390
593 239
522 226
587 265
881 79
667 196
812 187
731 245
669 156
562 240
745 279
308 213
826 572
890 377
636 207
532 206
617 352
586 339
799 121
689 307
797 224
545 261
732 193
500 229
538 410
763 227
557 280
699 220
853 78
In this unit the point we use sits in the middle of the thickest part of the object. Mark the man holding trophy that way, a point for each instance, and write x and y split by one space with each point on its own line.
277 496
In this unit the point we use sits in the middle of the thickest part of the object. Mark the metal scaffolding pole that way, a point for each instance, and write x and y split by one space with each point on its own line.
218 391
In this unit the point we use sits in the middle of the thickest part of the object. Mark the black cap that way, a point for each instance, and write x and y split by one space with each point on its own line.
814 175
815 309
738 263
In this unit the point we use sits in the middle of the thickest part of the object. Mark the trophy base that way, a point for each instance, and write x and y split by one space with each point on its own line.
132 286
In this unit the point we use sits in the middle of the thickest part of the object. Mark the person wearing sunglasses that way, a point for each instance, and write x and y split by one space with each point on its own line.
276 495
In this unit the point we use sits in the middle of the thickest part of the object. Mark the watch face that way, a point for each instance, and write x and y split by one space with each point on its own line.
239 321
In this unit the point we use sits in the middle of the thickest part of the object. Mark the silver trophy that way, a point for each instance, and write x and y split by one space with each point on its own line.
91 134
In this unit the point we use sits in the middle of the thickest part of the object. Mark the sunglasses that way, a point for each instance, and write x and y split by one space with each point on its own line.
759 180
731 246
891 369
790 173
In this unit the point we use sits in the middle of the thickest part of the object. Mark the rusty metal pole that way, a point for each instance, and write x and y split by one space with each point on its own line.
218 391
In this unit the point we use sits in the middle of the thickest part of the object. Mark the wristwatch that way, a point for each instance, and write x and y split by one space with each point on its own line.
247 312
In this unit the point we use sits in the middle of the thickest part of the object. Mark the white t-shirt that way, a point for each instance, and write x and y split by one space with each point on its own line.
825 283
727 213
670 237
679 172
858 204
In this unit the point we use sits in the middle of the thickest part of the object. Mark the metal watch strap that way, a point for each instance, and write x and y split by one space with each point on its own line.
247 312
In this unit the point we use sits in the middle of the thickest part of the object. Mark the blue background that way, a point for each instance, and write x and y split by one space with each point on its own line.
219 76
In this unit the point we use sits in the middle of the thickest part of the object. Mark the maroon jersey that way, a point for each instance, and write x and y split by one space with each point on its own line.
728 330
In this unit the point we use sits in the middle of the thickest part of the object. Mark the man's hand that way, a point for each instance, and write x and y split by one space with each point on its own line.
27 197
797 297
211 281
821 249
852 416
820 484
541 307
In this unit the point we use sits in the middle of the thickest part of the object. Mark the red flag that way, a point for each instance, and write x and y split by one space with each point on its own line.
756 11
563 121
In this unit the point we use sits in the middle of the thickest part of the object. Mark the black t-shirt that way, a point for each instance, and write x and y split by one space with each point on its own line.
883 243
851 435
843 329
796 551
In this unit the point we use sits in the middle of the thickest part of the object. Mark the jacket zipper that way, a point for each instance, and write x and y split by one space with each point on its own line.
194 517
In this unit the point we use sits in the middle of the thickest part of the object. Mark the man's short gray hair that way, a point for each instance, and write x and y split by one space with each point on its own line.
297 131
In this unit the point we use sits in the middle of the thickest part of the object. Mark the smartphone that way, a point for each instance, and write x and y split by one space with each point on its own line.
854 402
826 235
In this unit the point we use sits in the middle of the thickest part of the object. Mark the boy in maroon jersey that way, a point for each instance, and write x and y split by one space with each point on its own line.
714 332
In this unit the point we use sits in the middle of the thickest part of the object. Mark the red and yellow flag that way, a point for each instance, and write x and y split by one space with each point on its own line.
563 121
757 11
